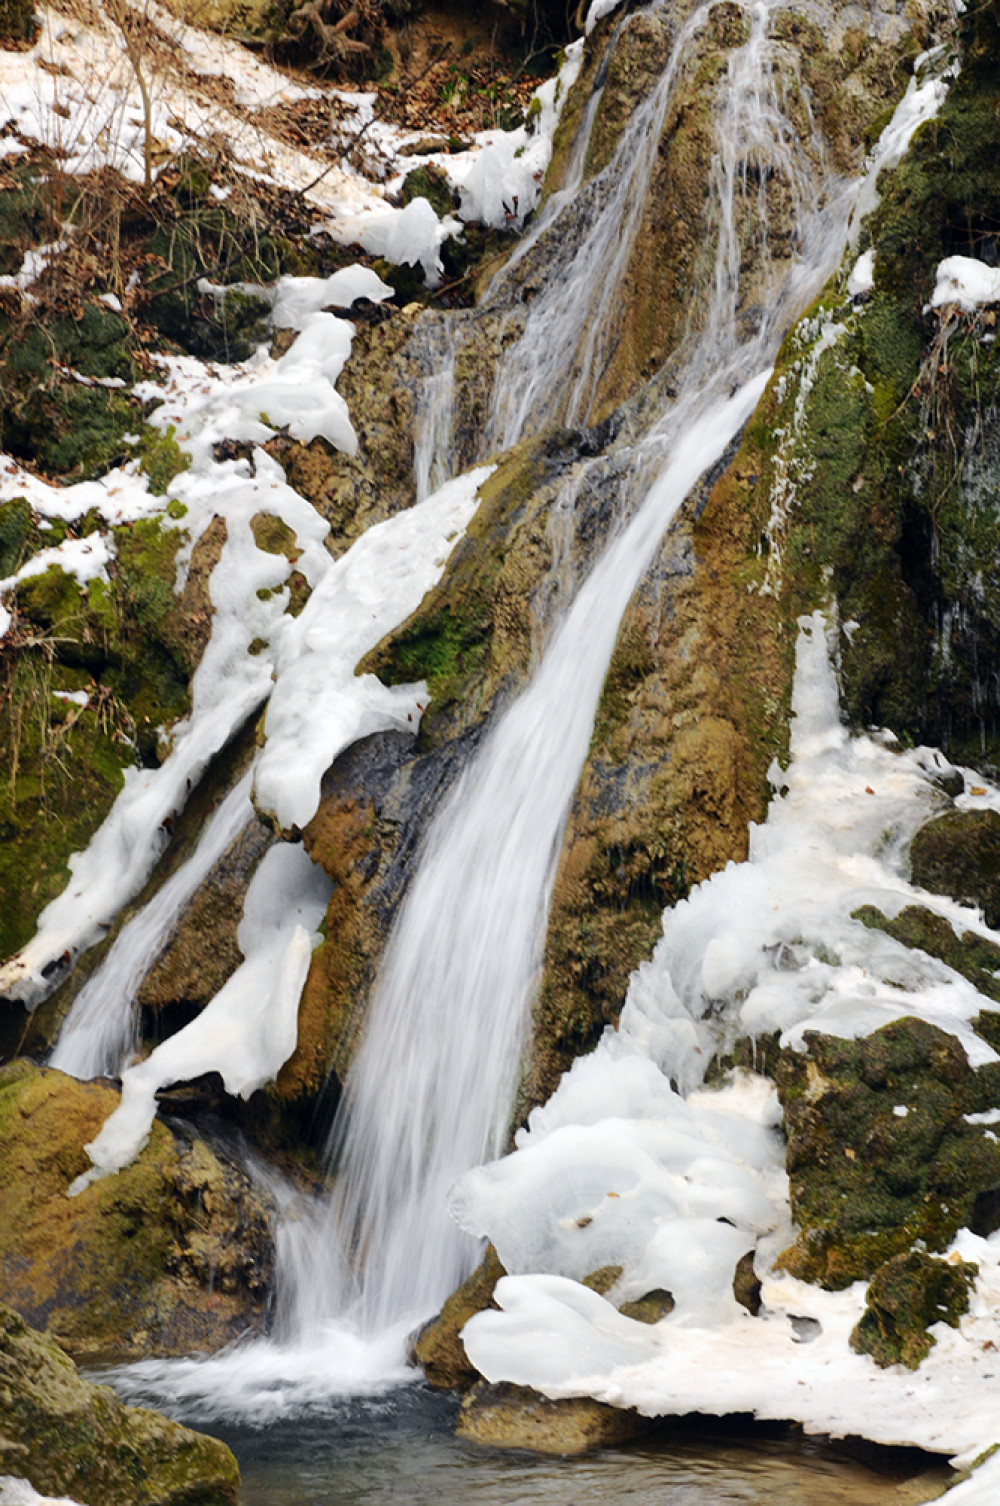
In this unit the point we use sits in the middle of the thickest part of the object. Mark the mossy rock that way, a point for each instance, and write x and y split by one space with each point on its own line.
438 1347
429 182
17 20
958 854
172 1255
508 1416
880 1153
905 1296
65 1434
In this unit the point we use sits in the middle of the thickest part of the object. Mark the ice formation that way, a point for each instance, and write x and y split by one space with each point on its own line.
967 282
14 1491
248 1031
619 1168
378 583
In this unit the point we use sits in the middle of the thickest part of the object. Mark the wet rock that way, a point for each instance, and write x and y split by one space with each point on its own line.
958 854
67 1436
601 1281
746 1287
438 1347
650 1307
880 1153
905 1297
201 952
970 954
507 1416
172 1255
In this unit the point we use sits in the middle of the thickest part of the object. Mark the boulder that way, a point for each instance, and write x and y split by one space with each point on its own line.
71 1438
508 1416
438 1346
907 1295
172 1255
958 854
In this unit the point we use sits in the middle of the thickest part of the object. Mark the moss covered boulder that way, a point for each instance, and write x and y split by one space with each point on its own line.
880 1151
958 854
71 1438
508 1416
906 1296
172 1255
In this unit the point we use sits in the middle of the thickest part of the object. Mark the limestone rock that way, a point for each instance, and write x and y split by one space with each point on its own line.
507 1416
172 1255
201 952
438 1346
865 1181
72 1438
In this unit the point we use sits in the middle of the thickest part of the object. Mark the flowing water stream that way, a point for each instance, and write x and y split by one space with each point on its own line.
100 1031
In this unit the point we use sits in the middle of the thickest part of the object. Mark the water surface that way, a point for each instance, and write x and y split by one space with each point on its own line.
400 1449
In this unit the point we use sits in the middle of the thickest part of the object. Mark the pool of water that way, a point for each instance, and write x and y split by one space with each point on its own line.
400 1449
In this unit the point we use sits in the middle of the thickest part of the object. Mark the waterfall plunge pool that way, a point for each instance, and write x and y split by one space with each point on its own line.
399 1449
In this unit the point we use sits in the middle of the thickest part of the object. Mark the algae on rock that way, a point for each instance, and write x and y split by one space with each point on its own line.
66 1435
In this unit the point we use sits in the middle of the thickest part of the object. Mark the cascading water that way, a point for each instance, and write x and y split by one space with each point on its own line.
447 1018
99 1032
430 1091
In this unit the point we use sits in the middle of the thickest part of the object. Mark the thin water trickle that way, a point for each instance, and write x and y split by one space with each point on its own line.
99 1033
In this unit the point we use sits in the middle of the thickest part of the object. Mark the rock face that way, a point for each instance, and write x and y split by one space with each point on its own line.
172 1255
507 1416
71 1438
868 1179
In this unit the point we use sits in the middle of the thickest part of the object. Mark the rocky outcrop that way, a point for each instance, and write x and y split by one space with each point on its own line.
172 1255
71 1438
508 1416
880 1149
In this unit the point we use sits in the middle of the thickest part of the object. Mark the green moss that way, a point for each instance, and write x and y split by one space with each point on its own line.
905 1297
972 955
865 1181
429 182
63 766
161 459
958 854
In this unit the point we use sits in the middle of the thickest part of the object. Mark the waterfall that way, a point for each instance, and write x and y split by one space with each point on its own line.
430 1090
100 1030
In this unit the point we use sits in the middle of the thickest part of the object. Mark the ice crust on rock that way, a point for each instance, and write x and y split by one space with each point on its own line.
249 1029
619 1169
319 706
15 1491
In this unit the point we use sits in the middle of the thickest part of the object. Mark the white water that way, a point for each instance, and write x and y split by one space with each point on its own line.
99 1033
